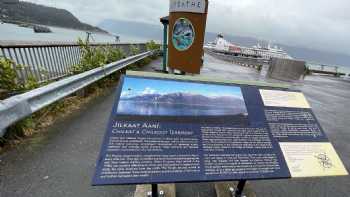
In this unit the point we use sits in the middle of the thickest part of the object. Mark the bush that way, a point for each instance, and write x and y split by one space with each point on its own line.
94 57
153 46
91 58
7 75
134 50
307 71
114 54
8 78
259 68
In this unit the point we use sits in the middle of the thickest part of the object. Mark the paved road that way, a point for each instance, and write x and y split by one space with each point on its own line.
61 162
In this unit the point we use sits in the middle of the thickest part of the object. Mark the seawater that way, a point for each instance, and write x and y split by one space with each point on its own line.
171 109
11 32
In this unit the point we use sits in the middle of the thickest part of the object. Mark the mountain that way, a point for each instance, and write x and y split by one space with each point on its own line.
14 11
137 29
155 32
191 99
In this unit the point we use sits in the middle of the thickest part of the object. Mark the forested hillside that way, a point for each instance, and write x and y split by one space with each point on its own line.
18 11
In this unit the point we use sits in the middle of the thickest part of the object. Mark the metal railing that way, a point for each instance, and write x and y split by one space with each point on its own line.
45 61
322 67
18 107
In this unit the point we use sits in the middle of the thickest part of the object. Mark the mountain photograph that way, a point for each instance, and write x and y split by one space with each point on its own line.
171 98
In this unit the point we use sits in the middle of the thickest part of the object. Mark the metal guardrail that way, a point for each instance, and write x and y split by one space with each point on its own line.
18 107
50 60
324 69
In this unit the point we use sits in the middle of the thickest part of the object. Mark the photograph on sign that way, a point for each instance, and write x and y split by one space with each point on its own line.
149 97
183 34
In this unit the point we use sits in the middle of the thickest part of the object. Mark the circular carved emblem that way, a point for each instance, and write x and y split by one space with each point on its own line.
183 34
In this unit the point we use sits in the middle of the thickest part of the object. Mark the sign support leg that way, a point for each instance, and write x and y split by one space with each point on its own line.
240 187
154 190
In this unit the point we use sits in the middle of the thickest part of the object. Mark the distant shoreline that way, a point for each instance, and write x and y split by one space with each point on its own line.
186 104
30 25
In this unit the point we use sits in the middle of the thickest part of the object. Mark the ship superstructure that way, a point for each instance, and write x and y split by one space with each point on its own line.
223 46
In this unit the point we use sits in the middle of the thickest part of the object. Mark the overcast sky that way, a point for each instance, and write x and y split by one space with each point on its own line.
318 24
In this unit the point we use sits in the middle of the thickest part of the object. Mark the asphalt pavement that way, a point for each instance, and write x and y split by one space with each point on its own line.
61 161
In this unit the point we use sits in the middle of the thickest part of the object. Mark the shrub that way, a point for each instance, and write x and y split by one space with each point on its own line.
94 57
307 71
113 54
153 46
134 50
8 78
30 84
259 68
7 75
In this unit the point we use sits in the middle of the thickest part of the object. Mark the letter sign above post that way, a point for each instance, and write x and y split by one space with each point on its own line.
196 6
187 22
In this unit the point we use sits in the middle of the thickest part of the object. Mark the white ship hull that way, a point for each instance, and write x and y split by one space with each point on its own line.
223 46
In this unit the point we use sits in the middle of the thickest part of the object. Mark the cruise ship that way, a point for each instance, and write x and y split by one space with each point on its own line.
223 46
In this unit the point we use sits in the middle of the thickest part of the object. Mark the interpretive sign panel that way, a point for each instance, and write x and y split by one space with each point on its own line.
167 131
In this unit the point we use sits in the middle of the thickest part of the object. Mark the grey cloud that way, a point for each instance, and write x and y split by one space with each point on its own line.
318 24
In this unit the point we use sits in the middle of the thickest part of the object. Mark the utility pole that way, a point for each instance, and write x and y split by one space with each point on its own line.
88 35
